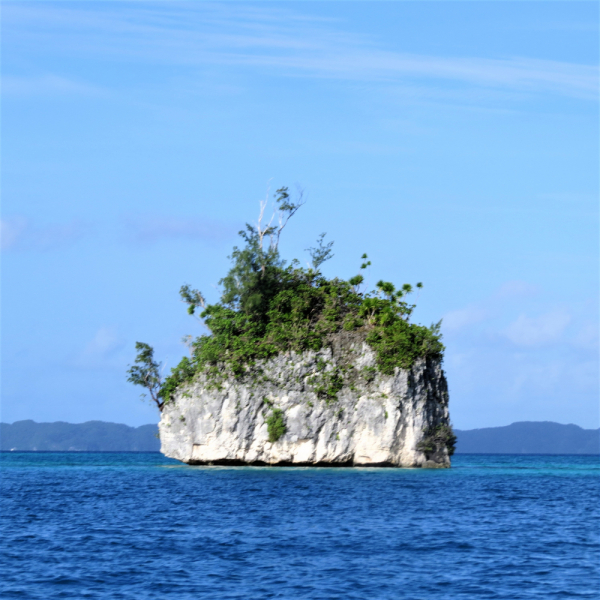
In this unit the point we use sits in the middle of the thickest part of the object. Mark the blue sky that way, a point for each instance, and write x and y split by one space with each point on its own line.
454 142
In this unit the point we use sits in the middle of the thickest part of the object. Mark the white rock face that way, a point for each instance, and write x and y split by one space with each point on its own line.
376 420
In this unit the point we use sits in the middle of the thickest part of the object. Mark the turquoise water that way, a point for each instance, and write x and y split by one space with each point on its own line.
140 526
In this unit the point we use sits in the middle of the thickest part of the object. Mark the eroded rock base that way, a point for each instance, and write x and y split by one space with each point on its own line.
374 420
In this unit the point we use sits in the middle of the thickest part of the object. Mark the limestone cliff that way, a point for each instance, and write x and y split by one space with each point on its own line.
361 418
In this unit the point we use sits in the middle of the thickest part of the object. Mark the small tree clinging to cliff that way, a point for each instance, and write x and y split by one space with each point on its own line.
146 373
268 307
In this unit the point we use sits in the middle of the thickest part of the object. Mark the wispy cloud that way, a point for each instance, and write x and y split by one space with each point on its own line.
538 331
151 229
516 289
101 351
277 41
517 348
588 337
12 232
489 308
48 84
19 233
535 377
457 319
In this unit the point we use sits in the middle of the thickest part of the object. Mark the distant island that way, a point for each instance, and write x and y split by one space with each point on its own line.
530 437
98 436
92 436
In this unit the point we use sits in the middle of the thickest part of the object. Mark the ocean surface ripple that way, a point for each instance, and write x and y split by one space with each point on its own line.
140 526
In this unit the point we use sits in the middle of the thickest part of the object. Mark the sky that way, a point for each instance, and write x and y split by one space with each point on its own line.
456 143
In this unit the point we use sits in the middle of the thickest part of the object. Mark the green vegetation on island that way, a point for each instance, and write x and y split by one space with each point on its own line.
436 438
268 307
276 425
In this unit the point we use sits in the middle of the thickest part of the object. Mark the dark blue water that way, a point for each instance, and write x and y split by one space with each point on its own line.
141 526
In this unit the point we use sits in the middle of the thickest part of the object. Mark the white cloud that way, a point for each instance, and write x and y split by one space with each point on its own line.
544 378
275 39
538 331
488 308
100 351
19 233
149 229
516 289
105 342
528 360
587 337
458 319
48 84
11 232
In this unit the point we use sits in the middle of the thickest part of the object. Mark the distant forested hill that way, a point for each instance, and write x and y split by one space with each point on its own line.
98 436
529 437
93 436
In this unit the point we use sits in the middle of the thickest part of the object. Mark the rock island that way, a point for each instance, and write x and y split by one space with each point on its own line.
300 369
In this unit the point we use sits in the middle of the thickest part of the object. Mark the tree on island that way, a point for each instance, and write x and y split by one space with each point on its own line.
268 307
146 372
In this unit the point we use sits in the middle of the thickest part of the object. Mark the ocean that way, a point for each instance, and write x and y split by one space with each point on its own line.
140 526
